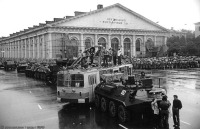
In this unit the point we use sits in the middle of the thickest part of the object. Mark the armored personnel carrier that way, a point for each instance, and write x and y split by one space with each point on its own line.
21 66
119 99
9 65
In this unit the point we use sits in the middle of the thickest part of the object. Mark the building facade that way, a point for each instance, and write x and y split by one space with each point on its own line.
114 26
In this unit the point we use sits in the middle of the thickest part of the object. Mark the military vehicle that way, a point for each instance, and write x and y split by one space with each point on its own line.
28 68
21 66
1 64
9 65
119 99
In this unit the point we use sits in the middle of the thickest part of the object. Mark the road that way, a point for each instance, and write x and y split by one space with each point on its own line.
28 103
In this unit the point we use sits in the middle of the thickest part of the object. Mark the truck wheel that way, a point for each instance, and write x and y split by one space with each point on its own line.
97 101
122 113
112 108
103 104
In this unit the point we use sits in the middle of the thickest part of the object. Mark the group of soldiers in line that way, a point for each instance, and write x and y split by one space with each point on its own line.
177 62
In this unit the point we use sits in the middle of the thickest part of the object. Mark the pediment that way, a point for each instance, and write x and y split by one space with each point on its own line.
115 16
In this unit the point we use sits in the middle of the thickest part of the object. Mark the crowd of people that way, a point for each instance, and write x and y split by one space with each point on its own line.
176 62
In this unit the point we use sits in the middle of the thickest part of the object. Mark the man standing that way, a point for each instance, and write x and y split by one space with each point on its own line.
119 53
177 105
154 106
164 110
114 53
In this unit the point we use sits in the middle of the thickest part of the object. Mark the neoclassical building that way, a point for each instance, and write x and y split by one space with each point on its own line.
113 26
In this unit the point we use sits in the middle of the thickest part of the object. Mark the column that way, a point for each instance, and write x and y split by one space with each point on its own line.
43 47
122 44
144 50
14 49
109 41
29 48
155 40
22 49
38 47
165 40
25 54
33 49
18 49
133 49
95 40
82 43
50 46
9 49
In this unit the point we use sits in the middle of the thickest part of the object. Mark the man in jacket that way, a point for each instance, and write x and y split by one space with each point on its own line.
164 110
177 105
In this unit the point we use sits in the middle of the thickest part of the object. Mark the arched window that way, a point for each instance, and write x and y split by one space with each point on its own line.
138 42
71 48
88 43
127 47
115 44
102 41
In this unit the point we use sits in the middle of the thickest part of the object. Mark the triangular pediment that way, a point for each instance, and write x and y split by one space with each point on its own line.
115 16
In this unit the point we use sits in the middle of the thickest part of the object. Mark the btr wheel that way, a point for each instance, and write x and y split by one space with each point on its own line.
122 113
97 101
112 108
103 105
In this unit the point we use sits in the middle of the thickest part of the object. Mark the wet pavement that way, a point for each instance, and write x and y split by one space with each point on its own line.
28 103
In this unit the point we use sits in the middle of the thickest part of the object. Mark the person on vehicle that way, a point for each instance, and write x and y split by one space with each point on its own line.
99 54
114 54
110 55
105 58
177 105
92 51
164 111
119 54
154 106
142 75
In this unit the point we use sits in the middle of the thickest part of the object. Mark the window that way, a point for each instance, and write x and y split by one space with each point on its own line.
127 47
60 80
115 44
77 80
87 43
138 45
92 79
102 42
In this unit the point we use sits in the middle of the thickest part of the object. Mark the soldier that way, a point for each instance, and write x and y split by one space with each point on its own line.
92 51
99 54
154 106
114 54
110 55
105 57
119 54
177 105
164 110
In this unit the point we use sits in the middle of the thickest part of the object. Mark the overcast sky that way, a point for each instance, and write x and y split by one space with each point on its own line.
16 15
